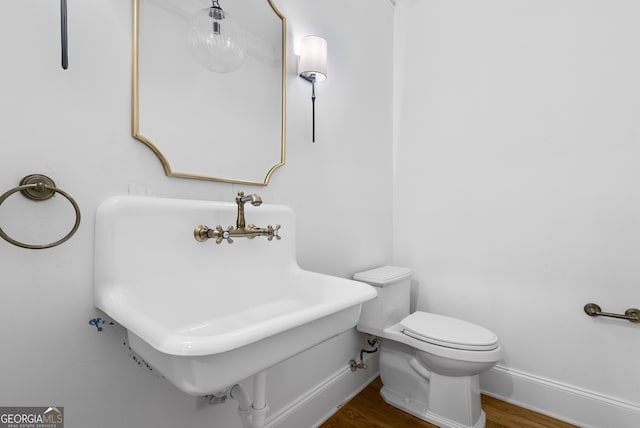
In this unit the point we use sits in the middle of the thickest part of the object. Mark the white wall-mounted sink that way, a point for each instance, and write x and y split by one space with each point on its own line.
207 315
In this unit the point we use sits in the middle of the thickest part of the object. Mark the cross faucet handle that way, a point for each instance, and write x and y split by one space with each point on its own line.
220 234
202 233
273 232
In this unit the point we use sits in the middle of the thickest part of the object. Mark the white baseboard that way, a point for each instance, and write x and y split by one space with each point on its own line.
323 400
565 402
561 401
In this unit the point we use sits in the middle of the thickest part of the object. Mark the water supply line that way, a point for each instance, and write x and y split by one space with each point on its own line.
374 343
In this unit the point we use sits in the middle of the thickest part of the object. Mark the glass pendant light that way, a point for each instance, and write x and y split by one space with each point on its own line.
217 41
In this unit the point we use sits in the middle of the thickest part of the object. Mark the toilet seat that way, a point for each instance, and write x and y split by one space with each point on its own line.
448 332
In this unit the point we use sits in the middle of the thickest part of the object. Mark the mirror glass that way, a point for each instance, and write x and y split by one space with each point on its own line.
203 124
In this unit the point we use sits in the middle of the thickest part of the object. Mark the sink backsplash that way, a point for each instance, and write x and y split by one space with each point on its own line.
132 229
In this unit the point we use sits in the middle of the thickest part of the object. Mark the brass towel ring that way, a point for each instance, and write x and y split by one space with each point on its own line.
39 188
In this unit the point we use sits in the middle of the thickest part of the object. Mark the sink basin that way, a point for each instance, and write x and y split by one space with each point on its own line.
206 315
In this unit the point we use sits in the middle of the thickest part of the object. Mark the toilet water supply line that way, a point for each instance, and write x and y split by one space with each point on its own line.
252 414
374 342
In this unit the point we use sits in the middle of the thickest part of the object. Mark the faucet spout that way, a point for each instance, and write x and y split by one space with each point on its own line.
253 198
241 199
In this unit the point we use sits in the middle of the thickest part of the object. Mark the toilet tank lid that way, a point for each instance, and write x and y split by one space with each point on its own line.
383 276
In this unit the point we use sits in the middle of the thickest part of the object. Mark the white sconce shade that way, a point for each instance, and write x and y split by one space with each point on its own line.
313 58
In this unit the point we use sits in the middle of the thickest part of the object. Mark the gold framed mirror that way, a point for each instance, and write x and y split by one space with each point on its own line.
207 125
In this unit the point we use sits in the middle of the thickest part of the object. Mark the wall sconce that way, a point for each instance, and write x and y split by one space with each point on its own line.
312 67
217 41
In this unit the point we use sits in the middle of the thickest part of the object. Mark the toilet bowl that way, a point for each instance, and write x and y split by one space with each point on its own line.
429 363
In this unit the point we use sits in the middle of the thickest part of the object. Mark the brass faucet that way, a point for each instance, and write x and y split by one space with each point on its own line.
242 230
241 199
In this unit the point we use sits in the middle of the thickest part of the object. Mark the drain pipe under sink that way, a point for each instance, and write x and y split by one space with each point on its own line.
252 415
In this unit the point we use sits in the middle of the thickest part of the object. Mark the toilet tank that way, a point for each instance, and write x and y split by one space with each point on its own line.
393 284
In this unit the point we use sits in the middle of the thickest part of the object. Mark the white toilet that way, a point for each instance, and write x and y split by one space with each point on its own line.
429 364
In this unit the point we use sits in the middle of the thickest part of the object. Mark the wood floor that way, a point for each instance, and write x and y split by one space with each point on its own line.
368 410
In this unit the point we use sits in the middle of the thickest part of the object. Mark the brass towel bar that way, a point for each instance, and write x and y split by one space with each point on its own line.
631 314
39 187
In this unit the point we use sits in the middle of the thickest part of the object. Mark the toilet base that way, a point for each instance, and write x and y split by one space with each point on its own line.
417 410
445 401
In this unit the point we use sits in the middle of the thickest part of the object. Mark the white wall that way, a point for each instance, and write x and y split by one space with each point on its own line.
517 131
74 126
